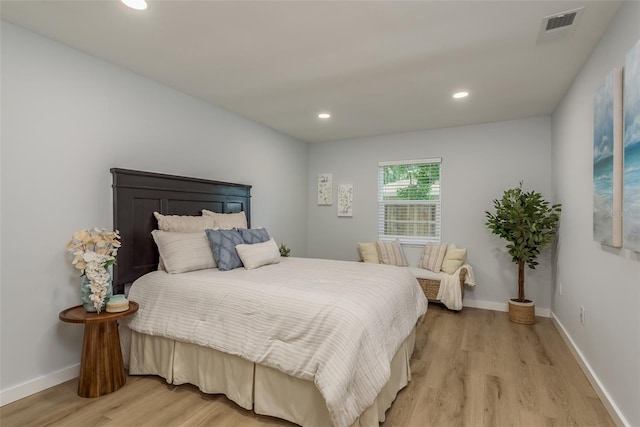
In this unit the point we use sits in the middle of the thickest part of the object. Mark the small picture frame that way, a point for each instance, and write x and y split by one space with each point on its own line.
345 200
325 185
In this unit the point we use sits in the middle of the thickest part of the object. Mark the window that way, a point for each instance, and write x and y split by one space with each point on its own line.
409 201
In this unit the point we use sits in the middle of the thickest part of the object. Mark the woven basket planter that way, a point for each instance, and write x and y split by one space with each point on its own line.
522 312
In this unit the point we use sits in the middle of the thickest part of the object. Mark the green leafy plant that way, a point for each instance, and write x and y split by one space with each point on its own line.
284 250
421 178
528 222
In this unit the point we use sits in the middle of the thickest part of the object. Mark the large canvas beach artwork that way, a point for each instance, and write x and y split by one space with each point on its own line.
631 191
607 161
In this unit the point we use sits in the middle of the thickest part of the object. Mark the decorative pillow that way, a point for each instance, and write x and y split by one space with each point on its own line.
253 235
184 223
182 252
391 253
223 245
432 256
259 254
227 221
453 259
369 252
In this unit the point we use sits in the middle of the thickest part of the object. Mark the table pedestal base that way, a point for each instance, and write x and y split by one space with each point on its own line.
101 370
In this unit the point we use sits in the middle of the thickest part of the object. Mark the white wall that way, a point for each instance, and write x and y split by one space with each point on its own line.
604 280
66 119
478 164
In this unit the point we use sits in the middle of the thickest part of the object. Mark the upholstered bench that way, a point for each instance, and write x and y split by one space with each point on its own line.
442 272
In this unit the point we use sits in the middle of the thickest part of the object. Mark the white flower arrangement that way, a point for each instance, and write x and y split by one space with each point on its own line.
94 250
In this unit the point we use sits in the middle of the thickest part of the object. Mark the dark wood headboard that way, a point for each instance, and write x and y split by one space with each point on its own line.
136 195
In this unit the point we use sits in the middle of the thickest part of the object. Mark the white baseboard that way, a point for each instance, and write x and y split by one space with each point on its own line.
487 305
502 306
44 382
602 393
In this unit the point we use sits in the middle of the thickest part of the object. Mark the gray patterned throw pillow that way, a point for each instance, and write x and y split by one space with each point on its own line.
223 245
253 235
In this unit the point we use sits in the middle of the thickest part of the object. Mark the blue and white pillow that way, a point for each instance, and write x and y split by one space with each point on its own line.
253 235
223 245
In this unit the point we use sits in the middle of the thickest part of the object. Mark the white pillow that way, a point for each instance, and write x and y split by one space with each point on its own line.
227 221
182 252
369 252
433 256
184 223
259 254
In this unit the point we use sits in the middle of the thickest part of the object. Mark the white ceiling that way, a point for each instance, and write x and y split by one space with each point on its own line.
378 67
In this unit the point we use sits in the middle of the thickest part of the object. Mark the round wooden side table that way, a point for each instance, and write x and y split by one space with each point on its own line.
101 368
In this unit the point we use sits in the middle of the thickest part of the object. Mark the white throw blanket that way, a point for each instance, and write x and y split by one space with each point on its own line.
450 291
335 323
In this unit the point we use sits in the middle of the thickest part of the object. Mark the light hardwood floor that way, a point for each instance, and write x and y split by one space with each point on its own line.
473 368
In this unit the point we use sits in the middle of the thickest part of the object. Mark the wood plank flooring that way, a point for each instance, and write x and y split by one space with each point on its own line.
473 368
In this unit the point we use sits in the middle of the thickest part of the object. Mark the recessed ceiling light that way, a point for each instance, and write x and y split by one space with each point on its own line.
324 115
459 95
136 4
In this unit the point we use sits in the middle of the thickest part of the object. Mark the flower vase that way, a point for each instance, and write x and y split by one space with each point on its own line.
85 294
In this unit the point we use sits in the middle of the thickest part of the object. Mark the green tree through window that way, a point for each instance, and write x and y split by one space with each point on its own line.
409 200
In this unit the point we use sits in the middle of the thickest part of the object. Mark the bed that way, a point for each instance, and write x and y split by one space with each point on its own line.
314 342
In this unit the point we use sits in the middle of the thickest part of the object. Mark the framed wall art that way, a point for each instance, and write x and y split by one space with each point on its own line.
607 161
345 200
631 188
325 184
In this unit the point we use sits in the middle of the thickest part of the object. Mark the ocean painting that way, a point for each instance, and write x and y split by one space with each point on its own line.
606 201
631 190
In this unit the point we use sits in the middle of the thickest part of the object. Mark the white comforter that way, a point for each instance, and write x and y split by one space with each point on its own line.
335 323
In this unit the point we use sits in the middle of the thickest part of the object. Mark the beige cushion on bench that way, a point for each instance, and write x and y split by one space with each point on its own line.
422 273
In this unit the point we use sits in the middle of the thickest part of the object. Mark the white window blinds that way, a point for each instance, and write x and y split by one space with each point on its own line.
409 201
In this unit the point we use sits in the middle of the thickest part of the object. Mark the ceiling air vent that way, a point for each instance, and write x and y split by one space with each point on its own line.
558 26
560 21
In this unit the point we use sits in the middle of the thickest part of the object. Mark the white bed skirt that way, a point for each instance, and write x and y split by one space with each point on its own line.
264 390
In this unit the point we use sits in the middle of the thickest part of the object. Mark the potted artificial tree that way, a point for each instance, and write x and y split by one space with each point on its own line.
529 223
